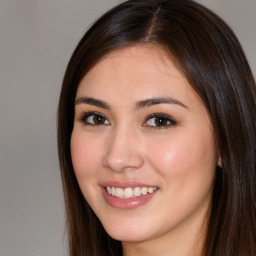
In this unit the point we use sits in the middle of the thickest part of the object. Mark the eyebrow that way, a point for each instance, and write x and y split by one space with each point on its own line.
157 101
92 101
139 104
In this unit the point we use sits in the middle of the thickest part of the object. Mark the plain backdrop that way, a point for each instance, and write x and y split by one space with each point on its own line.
37 38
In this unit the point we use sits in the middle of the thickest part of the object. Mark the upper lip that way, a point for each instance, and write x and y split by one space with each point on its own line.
125 184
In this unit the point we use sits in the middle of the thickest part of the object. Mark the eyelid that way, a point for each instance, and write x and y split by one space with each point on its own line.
85 115
160 115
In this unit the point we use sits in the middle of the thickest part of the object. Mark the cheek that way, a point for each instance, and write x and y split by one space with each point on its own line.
84 155
182 154
186 166
86 160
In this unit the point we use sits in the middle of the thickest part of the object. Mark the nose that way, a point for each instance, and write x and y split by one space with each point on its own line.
123 151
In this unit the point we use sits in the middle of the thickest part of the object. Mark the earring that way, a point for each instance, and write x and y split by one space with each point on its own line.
219 164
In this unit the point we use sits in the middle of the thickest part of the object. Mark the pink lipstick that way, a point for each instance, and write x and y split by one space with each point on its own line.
127 195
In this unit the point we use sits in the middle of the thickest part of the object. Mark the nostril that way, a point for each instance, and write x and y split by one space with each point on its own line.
121 161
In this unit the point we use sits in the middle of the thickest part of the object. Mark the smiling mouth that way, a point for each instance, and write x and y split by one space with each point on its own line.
129 192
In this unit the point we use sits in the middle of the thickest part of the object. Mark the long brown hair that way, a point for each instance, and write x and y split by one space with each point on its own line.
208 53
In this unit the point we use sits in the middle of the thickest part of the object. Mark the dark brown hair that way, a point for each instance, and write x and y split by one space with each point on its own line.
209 55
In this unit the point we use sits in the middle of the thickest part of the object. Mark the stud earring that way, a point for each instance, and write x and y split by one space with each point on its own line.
219 164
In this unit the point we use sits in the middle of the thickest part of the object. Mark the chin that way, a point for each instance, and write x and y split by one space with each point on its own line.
128 232
127 237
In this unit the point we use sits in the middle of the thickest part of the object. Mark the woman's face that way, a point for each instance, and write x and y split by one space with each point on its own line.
143 147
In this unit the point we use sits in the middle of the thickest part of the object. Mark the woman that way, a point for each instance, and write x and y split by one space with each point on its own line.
157 135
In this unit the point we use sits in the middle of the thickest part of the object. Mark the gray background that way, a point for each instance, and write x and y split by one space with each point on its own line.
37 38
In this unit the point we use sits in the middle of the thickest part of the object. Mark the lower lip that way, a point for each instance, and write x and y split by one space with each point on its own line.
129 203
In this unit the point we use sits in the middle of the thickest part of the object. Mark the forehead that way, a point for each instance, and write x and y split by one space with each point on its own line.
136 69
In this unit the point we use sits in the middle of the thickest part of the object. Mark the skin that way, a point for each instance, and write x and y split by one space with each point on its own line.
178 157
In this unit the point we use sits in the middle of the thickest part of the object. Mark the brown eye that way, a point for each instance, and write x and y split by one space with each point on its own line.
98 119
94 119
159 121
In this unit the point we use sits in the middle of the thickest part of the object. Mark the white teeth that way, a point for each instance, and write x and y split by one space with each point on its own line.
144 191
150 190
130 192
113 191
119 192
137 191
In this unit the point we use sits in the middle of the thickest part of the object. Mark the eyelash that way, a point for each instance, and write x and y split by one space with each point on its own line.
168 121
164 117
83 118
